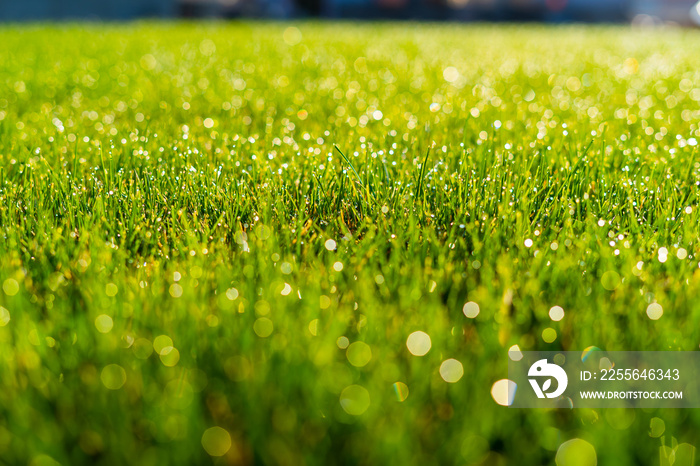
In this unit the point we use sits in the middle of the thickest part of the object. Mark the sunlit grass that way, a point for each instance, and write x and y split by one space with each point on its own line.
315 244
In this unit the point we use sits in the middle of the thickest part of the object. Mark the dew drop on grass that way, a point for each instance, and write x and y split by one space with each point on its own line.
342 342
401 391
113 376
359 354
610 280
148 62
549 335
313 327
169 356
10 287
175 290
212 320
655 311
111 289
451 74
292 36
663 255
263 327
514 353
471 309
588 352
418 343
451 370
657 427
503 392
207 47
556 313
104 323
576 452
354 400
4 316
160 342
286 290
330 244
216 441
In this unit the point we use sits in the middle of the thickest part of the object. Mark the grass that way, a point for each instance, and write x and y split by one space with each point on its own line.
215 239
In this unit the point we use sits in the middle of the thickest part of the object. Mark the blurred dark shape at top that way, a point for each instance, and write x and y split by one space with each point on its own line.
642 12
28 10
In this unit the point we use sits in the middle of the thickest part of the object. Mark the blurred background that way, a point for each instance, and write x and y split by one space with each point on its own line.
642 12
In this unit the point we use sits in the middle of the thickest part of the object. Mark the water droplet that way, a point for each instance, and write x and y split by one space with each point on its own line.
556 313
111 289
576 452
401 391
503 392
160 342
514 353
655 311
104 323
10 287
451 74
263 327
610 280
471 309
216 441
657 427
451 370
292 36
549 335
355 400
359 354
113 376
169 356
418 343
4 316
175 290
342 342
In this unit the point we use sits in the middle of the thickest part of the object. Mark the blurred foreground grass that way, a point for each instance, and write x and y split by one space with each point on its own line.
191 272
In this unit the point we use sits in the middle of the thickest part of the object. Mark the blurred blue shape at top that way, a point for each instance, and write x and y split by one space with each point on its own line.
642 12
23 10
695 14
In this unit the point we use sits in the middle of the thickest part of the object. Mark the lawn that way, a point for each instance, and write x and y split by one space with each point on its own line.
218 241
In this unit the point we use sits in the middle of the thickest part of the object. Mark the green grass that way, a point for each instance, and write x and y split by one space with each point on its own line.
175 186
